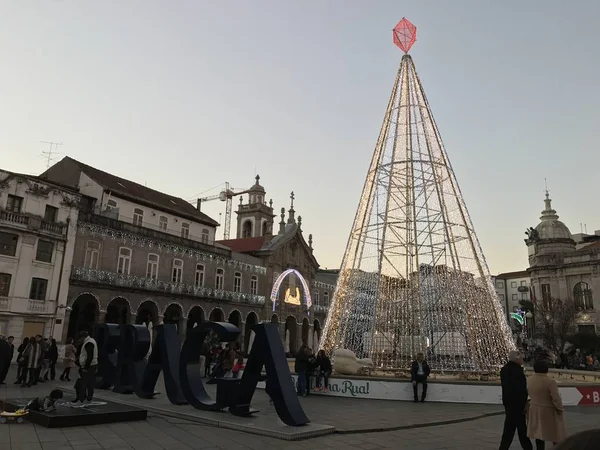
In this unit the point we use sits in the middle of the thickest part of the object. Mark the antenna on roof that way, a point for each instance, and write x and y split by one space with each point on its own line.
51 153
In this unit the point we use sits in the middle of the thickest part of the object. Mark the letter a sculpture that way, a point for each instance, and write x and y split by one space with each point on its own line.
413 278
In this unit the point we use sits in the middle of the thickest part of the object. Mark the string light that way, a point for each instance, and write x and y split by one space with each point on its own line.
413 278
86 228
153 284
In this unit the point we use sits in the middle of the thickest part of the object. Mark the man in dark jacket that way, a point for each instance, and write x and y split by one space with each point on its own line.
418 375
7 350
514 399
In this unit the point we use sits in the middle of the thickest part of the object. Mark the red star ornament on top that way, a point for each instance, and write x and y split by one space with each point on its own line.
405 34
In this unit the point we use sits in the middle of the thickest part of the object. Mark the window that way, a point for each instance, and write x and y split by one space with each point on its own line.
38 289
51 214
8 244
513 284
254 285
546 294
501 297
205 235
514 297
111 204
124 264
138 217
92 255
523 283
199 278
219 279
152 266
500 284
163 223
326 299
237 282
185 230
5 284
44 251
524 296
14 203
247 229
316 298
177 271
582 295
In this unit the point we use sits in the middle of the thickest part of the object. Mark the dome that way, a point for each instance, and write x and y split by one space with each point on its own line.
550 227
257 187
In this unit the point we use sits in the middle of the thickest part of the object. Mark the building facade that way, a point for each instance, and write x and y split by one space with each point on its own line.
37 241
297 292
145 257
561 268
513 288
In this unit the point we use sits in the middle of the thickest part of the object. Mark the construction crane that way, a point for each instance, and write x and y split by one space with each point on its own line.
227 197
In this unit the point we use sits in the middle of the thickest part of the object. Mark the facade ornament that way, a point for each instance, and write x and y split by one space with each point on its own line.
532 236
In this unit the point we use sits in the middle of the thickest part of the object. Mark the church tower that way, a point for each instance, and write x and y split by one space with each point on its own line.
255 218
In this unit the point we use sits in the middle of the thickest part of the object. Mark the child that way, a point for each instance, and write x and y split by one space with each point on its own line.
45 404
239 365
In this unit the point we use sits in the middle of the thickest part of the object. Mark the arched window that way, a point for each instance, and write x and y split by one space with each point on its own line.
199 280
265 228
582 294
247 229
185 230
237 282
254 285
152 266
92 255
205 235
219 279
315 298
177 270
138 217
326 299
124 264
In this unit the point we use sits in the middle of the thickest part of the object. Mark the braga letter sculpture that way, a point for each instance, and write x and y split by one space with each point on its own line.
183 381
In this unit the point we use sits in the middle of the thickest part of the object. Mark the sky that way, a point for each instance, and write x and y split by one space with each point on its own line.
184 96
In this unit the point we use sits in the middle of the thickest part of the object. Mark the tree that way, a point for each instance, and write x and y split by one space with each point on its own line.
555 321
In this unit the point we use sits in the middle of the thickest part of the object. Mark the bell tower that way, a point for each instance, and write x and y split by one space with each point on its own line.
255 218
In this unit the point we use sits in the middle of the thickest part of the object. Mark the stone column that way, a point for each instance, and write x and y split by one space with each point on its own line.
101 316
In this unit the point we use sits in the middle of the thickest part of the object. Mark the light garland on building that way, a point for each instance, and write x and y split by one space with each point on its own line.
413 277
152 284
320 284
93 230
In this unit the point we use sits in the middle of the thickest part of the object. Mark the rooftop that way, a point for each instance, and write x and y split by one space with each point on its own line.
244 245
510 275
130 190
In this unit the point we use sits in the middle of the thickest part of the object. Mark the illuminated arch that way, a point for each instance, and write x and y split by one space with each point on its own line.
279 280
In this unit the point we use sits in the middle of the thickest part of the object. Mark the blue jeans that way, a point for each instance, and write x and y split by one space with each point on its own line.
301 382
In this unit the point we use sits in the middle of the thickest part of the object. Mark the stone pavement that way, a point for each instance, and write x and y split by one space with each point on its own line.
160 432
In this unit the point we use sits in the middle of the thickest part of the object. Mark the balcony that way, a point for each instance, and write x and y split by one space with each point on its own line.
21 305
127 227
30 222
320 309
523 289
81 275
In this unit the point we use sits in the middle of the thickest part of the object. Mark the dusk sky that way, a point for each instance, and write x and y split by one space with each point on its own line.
186 95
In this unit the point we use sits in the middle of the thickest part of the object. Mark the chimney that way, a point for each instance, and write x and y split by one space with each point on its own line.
198 204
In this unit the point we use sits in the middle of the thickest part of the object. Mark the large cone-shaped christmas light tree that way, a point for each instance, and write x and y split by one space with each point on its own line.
414 278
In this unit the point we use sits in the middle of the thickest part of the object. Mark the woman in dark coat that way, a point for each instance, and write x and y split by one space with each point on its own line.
22 362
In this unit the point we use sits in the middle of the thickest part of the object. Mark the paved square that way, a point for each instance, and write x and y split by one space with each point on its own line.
160 432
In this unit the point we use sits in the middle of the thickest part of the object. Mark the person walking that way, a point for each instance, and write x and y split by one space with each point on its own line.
68 360
8 351
88 366
22 362
33 355
52 355
545 418
514 399
418 375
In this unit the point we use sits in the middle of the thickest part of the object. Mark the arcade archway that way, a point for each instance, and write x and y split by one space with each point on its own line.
117 311
84 314
290 339
174 315
195 318
251 320
147 313
217 315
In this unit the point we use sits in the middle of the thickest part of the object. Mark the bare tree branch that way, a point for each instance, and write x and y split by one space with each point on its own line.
555 321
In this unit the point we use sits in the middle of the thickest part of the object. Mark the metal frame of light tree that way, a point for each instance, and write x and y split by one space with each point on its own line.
413 277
